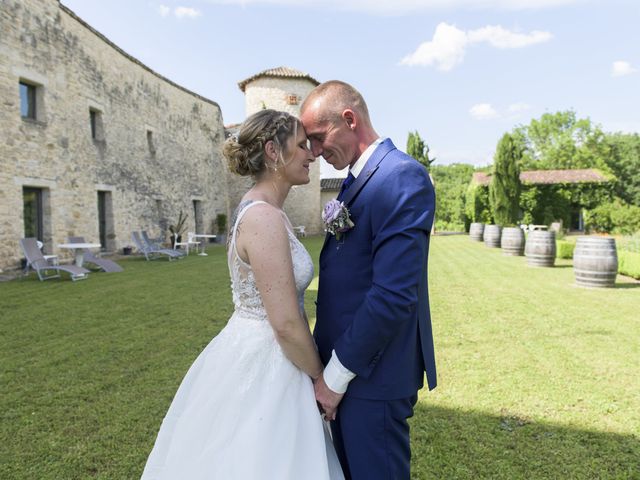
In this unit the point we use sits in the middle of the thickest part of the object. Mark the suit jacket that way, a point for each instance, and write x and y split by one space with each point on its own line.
373 300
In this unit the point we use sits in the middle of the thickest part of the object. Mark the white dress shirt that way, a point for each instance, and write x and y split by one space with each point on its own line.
336 375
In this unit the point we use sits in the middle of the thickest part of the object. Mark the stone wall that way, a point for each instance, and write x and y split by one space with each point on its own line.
303 203
157 147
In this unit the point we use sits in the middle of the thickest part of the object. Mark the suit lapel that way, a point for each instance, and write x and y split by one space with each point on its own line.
367 172
369 169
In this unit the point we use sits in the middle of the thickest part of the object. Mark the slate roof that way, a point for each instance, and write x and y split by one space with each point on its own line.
541 177
279 72
330 184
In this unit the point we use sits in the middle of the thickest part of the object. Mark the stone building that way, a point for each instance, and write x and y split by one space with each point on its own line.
94 143
284 89
329 189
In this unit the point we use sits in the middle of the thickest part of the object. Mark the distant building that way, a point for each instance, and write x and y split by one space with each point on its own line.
559 178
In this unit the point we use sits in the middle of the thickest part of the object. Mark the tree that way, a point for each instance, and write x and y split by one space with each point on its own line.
624 161
451 183
418 149
562 141
505 187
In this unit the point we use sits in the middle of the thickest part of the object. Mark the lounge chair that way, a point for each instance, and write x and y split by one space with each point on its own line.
41 266
50 259
155 243
150 251
89 257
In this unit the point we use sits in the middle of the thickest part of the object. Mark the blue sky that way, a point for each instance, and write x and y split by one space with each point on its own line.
460 72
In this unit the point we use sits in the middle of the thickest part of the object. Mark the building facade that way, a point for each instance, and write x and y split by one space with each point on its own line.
92 142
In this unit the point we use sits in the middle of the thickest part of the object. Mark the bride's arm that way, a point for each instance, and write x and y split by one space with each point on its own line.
264 242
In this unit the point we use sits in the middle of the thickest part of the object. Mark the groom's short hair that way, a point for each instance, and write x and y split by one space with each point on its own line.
337 96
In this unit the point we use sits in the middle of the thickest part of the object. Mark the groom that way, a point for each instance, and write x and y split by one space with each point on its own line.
373 327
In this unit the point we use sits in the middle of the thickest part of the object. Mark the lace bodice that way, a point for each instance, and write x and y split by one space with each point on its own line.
246 296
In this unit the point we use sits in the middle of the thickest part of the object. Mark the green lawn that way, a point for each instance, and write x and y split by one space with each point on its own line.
537 378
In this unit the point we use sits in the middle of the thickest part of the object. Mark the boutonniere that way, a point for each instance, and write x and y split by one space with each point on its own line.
336 218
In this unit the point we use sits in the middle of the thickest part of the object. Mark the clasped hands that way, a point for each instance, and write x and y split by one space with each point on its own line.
327 399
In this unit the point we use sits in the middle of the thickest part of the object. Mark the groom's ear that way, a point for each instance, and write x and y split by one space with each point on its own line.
349 118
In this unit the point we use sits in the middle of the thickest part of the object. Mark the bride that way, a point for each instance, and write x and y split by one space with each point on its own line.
246 408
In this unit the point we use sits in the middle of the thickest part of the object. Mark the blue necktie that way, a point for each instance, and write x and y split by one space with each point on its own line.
346 184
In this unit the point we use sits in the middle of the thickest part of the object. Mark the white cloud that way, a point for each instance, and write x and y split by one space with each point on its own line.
164 10
519 107
445 50
448 46
399 7
483 111
186 12
499 37
621 68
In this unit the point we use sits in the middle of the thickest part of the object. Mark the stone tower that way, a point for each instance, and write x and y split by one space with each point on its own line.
284 88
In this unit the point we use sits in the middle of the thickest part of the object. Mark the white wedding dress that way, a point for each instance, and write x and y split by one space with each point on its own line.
243 410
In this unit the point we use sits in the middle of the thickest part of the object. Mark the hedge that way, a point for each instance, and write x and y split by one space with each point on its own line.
629 263
564 249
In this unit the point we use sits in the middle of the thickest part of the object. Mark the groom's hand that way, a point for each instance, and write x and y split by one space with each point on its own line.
327 398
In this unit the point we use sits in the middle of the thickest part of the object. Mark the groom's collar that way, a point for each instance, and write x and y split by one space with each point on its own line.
362 161
368 170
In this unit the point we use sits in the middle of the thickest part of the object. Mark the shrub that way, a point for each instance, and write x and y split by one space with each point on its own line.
613 217
564 249
629 264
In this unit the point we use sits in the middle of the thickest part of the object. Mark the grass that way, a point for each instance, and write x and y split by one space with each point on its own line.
537 378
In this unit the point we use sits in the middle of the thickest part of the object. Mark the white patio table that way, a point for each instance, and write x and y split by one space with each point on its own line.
77 249
202 235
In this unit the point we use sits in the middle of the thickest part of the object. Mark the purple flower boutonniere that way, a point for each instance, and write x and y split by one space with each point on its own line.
336 218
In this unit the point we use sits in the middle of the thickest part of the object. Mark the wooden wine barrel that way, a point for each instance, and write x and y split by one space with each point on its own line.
491 235
540 248
512 241
595 262
475 231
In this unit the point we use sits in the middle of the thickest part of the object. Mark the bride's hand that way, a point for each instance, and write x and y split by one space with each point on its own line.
327 398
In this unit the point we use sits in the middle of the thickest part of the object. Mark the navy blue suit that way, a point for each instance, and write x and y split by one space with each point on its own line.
373 309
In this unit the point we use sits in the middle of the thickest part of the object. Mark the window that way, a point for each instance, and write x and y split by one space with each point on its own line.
105 221
293 100
92 118
197 215
95 122
27 100
33 213
151 145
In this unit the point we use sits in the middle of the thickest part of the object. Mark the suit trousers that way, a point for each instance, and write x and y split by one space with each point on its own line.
371 438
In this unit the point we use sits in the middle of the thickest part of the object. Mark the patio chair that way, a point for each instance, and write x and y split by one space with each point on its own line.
51 259
89 257
300 231
37 261
154 242
190 242
150 251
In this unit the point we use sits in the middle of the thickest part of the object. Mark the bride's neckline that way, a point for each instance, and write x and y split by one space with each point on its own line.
247 201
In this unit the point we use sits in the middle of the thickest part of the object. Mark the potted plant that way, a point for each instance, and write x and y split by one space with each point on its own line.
178 229
221 227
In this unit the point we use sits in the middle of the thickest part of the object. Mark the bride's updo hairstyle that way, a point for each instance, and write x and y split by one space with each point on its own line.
245 151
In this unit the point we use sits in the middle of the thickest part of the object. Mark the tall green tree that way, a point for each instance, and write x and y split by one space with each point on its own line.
505 187
418 149
624 161
562 141
451 182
